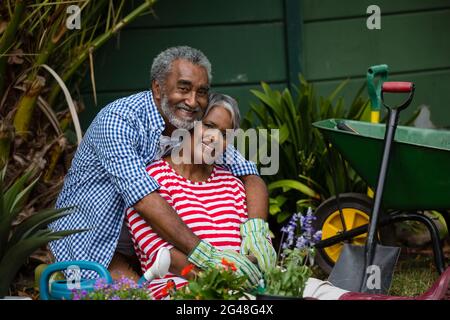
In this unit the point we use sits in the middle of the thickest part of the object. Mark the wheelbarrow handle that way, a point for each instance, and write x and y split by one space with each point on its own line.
397 87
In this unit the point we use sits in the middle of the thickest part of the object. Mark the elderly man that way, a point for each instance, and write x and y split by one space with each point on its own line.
108 171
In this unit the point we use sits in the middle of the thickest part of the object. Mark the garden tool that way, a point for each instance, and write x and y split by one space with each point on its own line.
159 268
374 91
370 268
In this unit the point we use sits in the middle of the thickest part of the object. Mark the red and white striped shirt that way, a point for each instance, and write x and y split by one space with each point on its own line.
213 209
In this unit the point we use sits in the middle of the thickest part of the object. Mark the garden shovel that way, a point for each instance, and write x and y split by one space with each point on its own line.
370 268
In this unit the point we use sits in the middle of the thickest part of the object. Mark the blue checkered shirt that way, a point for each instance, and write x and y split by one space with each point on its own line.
108 175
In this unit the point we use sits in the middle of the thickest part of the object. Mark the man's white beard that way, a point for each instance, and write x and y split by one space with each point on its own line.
173 119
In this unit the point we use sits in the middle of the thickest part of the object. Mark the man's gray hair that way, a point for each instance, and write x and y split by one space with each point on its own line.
223 100
163 62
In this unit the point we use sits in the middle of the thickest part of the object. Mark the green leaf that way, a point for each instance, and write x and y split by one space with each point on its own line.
280 199
314 183
338 89
274 209
271 102
364 115
11 194
2 176
304 204
38 220
260 112
284 133
293 184
20 199
283 216
16 256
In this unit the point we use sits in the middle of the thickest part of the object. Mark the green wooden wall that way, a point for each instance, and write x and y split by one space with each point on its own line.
414 41
244 40
272 40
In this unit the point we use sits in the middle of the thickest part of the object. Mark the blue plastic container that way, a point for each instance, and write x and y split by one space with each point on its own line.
62 289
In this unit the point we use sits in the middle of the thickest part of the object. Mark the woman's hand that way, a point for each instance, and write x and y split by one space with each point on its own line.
255 242
206 256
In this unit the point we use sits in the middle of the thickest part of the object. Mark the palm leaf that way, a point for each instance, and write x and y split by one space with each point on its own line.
271 100
20 198
38 220
10 195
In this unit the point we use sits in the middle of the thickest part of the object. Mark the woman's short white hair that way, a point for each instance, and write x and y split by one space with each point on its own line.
227 102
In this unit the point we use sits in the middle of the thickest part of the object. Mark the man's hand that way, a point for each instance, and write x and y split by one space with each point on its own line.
255 241
206 256
165 221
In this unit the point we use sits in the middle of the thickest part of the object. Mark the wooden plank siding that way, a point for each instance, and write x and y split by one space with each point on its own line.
414 41
244 40
272 40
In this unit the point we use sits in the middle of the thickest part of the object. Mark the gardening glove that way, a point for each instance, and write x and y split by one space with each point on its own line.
205 256
255 241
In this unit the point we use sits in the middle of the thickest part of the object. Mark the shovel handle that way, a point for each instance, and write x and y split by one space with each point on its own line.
397 87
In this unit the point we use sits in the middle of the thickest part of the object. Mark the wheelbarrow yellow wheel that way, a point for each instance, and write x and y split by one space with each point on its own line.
353 218
356 209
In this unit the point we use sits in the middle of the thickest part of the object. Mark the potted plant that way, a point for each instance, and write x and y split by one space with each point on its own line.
287 280
221 282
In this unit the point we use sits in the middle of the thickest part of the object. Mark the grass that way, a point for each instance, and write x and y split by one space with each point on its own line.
414 274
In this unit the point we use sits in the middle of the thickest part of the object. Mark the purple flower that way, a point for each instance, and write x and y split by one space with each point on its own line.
79 294
100 284
129 283
299 231
301 242
115 286
317 236
76 296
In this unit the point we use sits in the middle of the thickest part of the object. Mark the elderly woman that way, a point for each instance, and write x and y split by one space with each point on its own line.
212 203
207 197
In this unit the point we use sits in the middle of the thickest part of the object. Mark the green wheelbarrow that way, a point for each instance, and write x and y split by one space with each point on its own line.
417 178
419 173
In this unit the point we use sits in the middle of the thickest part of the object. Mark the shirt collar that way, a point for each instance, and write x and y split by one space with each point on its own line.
155 118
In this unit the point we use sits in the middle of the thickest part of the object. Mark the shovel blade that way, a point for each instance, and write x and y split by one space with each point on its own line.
351 273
